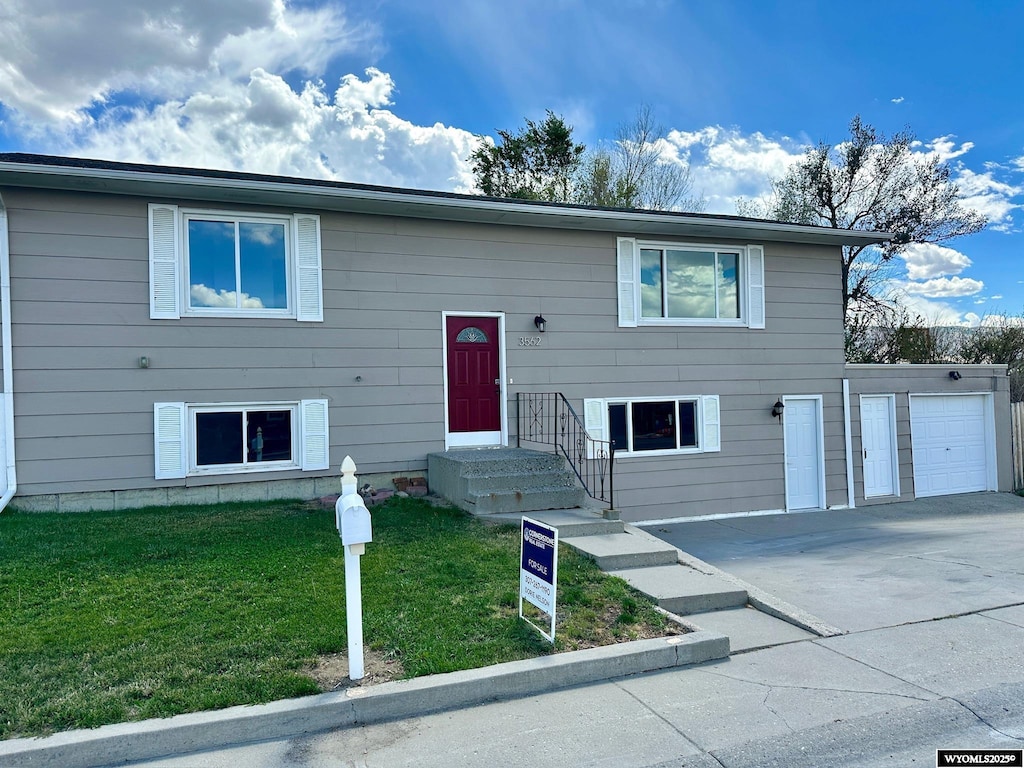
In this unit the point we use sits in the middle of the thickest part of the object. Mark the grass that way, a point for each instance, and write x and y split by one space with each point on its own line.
107 617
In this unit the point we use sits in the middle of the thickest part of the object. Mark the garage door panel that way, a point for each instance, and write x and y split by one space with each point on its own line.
949 441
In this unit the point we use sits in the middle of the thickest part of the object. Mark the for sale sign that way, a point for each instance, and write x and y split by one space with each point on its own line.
538 571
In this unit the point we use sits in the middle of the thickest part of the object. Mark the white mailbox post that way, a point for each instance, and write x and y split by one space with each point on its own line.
353 521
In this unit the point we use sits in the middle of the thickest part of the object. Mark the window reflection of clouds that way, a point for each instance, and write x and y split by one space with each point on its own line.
211 258
262 256
692 282
202 296
728 285
650 284
258 281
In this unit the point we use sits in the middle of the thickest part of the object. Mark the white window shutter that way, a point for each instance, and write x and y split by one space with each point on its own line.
710 424
594 417
170 440
164 262
309 292
627 258
316 444
755 286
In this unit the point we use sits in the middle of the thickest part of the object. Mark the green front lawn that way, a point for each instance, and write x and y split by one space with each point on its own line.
106 617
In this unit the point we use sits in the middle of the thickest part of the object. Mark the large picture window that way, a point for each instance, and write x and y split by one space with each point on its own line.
690 284
656 425
237 264
226 264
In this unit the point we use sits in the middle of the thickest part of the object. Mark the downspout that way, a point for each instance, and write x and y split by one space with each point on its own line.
5 333
849 445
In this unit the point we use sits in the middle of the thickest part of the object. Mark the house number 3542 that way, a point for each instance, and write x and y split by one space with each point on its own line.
529 341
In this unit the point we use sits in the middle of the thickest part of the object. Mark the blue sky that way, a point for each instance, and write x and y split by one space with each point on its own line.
394 92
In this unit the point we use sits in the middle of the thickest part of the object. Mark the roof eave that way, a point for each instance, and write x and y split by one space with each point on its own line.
422 205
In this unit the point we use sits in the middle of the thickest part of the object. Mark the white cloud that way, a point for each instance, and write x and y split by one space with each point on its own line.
206 87
932 312
897 100
60 58
991 198
944 287
727 164
997 296
264 125
927 260
945 149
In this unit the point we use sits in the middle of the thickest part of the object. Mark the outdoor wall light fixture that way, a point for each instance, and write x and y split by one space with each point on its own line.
955 375
777 410
540 322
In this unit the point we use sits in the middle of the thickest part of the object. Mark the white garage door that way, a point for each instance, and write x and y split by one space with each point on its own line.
951 443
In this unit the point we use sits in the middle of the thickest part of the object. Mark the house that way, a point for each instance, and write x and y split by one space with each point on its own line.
173 335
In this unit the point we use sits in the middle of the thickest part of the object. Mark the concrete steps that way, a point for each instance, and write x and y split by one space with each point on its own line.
701 600
619 551
684 591
491 481
748 629
571 523
500 485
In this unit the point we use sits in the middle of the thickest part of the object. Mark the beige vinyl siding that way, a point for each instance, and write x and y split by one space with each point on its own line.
81 321
904 380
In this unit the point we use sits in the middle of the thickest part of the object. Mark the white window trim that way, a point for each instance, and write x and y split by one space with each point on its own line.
175 438
629 286
170 287
706 421
193 214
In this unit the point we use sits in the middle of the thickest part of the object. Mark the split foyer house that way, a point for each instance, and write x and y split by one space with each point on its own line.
174 335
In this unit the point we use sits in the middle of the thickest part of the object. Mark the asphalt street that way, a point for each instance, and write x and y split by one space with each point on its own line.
930 593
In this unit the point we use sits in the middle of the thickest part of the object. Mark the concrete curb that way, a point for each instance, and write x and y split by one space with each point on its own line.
152 739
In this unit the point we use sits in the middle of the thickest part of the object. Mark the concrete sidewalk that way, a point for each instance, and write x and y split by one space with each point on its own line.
877 698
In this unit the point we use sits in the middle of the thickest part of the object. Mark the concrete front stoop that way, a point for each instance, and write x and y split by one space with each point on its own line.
498 480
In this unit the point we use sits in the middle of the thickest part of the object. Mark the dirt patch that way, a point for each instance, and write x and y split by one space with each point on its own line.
330 671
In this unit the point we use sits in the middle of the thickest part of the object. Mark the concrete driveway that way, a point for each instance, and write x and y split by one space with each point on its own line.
875 566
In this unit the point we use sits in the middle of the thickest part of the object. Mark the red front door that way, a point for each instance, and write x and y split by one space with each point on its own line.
474 384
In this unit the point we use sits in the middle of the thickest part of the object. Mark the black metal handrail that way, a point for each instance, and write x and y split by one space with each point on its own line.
547 418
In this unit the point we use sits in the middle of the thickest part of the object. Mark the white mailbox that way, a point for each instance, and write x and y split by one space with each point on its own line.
355 520
350 512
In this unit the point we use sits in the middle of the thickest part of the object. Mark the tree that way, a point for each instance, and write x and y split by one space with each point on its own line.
538 163
878 183
542 162
892 335
633 174
999 340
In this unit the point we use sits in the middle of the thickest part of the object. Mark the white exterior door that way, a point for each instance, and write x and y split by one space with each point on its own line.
805 461
951 436
878 441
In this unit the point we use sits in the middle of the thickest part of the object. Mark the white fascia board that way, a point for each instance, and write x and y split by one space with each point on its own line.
933 366
419 204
